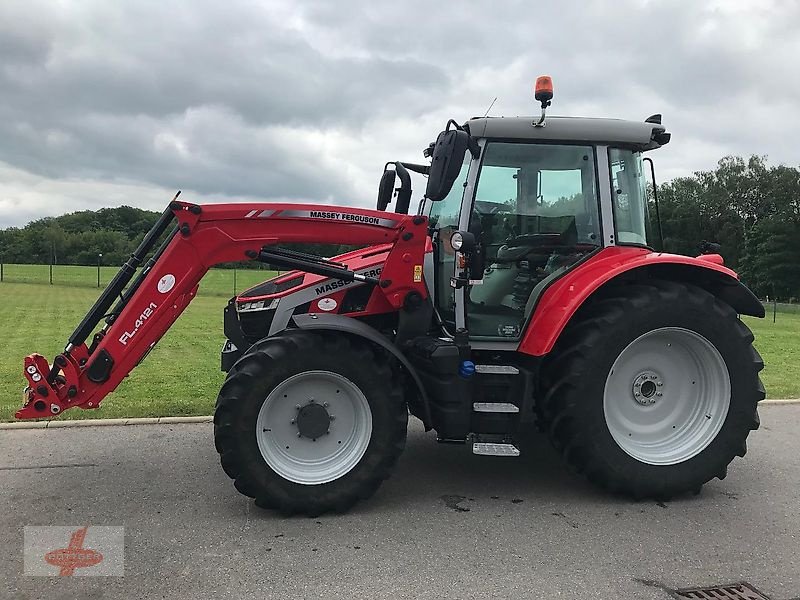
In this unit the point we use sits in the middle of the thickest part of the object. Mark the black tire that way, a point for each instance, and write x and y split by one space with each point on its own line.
272 361
573 410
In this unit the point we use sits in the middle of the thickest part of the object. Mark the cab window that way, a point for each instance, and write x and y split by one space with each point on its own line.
629 195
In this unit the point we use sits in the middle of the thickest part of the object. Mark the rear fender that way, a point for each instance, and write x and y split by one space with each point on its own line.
420 407
618 265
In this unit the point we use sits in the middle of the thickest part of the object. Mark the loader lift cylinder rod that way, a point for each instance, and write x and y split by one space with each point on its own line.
317 267
127 294
121 279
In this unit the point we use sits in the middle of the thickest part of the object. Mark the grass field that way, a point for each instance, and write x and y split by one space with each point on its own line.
217 282
181 375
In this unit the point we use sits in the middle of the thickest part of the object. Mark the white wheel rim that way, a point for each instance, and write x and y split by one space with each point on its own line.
667 396
301 458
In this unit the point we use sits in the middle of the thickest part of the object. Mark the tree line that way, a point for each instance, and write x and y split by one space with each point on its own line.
750 208
80 238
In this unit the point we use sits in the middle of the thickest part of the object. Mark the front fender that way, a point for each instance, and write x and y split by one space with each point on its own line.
349 325
565 296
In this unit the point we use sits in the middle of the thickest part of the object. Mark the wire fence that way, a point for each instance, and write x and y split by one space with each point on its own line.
217 282
774 309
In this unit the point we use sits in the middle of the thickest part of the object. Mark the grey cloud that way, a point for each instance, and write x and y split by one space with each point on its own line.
306 100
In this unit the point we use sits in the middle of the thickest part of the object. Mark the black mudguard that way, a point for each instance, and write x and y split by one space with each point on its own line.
741 299
420 407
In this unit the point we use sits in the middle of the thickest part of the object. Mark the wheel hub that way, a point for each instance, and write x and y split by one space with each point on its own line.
647 388
313 421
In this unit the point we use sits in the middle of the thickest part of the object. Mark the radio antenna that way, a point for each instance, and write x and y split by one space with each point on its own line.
490 107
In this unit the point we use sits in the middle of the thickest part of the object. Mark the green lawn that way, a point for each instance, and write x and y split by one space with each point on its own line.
217 282
181 375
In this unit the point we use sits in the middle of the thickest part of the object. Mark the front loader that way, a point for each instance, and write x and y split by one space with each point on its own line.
526 290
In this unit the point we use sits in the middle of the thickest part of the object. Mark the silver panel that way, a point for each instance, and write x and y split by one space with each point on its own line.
606 208
489 449
497 369
495 407
332 215
569 129
428 274
463 225
479 344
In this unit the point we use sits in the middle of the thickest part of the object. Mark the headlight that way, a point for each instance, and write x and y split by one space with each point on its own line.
257 305
462 241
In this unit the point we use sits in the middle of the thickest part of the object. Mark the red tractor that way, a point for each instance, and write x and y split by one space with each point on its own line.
524 290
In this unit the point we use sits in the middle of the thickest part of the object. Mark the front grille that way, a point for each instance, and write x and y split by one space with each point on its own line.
255 325
736 591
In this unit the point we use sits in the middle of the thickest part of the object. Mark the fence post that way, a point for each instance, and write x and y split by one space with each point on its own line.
51 273
774 309
1 270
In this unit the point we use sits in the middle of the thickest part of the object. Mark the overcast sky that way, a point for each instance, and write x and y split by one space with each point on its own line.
108 103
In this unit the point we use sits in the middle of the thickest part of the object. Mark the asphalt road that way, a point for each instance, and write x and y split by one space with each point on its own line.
447 524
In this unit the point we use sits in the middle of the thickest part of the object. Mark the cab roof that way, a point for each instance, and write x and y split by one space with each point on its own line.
639 135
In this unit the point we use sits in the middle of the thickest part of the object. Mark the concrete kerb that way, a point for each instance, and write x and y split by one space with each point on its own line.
201 419
106 422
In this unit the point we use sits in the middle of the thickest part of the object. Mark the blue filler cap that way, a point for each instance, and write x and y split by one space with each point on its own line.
467 369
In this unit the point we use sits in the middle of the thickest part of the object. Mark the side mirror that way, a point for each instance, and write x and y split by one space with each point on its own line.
447 158
385 189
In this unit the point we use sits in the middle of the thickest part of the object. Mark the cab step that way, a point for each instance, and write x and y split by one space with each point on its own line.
497 369
495 407
494 449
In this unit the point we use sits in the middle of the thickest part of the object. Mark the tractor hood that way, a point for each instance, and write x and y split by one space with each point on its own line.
263 295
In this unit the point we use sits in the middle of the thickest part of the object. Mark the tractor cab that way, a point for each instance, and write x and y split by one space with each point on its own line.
534 198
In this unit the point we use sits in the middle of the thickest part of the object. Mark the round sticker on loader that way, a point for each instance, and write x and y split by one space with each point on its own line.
327 304
166 283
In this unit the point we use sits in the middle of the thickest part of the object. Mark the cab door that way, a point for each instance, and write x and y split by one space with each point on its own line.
537 207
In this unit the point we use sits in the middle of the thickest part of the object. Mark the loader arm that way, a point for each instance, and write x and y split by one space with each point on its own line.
203 236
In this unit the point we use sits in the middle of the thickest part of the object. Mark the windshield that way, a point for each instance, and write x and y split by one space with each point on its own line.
629 193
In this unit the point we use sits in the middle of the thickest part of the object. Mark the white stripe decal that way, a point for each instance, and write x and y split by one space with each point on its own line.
250 214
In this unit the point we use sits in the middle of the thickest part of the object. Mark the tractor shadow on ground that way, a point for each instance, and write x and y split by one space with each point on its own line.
449 473
452 476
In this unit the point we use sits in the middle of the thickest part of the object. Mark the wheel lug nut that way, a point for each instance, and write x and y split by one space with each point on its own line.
659 394
292 422
659 384
332 418
297 406
325 404
298 434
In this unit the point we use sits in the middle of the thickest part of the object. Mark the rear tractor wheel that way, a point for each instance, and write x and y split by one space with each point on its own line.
654 390
309 422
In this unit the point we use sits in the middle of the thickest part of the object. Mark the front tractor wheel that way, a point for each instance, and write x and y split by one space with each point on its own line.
654 389
309 423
